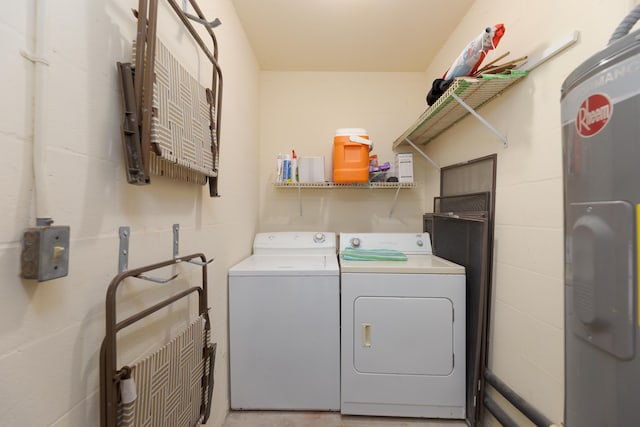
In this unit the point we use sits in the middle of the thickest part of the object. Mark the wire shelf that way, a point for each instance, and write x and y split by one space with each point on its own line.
446 111
325 185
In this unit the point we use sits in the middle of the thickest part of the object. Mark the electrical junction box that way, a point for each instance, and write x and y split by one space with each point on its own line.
45 251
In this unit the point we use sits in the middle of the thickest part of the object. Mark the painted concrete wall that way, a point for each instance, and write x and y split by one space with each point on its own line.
301 111
526 345
50 332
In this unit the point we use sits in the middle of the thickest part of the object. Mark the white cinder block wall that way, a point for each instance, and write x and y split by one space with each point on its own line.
527 348
50 332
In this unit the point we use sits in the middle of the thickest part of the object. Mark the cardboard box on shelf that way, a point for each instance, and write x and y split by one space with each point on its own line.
403 167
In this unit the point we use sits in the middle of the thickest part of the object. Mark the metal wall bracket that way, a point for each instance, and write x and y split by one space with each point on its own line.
123 251
176 240
422 153
473 112
156 279
123 254
176 247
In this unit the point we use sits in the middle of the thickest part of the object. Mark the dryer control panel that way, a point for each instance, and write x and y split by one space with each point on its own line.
408 243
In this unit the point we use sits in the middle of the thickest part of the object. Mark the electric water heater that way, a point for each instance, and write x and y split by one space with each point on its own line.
600 110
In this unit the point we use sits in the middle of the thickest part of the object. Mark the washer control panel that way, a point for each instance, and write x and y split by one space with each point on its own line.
295 243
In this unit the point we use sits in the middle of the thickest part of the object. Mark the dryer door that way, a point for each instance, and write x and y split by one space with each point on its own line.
403 335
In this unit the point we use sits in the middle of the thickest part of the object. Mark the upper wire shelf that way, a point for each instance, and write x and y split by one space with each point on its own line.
448 109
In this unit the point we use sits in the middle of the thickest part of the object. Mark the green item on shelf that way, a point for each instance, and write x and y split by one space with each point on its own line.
507 75
355 254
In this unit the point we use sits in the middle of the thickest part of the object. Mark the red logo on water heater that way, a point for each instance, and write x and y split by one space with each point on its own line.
593 115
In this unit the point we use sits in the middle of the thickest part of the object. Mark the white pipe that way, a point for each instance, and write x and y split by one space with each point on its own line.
39 103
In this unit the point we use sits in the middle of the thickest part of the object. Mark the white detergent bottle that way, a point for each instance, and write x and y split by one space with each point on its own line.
279 168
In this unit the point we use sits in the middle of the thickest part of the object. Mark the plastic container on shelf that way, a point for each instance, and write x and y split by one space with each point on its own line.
286 168
404 167
351 147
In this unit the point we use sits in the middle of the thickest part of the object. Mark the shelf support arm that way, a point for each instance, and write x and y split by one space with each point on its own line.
300 199
503 138
395 200
422 153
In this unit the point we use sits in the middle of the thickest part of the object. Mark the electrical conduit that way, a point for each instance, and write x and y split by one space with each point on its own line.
38 108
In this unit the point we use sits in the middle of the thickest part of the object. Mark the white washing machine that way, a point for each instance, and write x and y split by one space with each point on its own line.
284 327
403 330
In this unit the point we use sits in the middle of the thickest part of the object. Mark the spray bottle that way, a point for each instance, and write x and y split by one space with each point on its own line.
294 166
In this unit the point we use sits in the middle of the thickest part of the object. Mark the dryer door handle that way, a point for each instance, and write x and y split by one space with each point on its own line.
366 334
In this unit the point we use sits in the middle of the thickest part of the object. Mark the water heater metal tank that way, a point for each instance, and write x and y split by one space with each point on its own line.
600 110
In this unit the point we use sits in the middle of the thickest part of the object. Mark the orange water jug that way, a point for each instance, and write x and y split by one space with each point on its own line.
351 148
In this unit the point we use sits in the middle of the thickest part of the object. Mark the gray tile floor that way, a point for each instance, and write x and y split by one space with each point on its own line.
325 419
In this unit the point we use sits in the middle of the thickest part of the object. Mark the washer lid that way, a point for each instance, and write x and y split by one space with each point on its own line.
276 265
415 264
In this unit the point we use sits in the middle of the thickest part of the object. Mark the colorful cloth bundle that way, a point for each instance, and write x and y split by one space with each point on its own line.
468 61
355 254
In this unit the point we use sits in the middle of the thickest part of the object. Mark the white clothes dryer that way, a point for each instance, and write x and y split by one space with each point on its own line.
284 330
403 330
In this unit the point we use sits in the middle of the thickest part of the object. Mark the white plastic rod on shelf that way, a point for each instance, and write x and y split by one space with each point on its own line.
482 119
551 51
422 153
